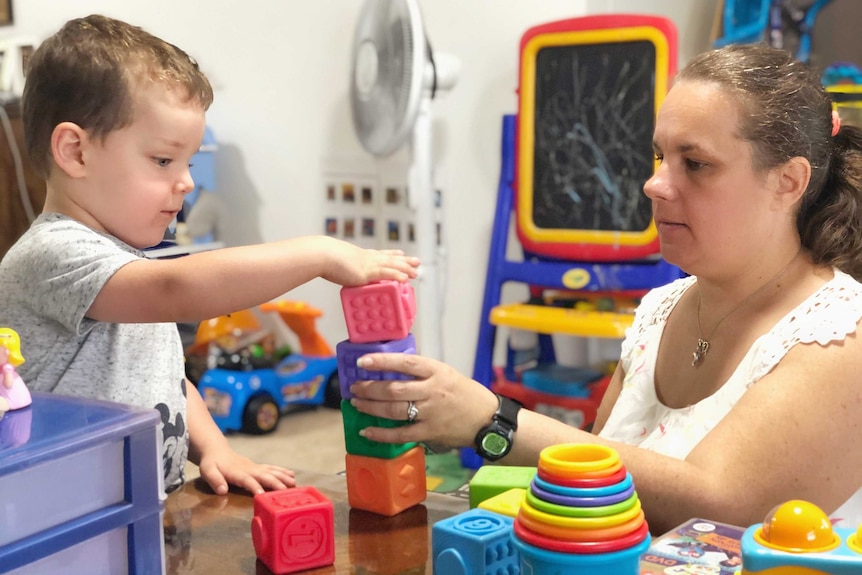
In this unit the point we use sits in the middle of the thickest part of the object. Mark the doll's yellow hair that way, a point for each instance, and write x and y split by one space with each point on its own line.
11 341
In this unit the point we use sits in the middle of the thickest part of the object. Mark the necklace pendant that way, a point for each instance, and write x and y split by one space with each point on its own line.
700 352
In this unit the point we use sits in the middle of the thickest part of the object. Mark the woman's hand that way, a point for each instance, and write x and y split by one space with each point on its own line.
452 407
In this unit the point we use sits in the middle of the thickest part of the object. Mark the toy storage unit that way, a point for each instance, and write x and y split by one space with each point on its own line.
80 488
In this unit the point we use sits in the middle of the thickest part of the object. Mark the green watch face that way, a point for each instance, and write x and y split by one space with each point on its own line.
495 444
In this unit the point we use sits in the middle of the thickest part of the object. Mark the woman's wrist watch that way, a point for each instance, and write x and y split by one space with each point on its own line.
495 440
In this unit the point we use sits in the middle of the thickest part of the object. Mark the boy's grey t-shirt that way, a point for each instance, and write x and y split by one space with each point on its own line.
48 280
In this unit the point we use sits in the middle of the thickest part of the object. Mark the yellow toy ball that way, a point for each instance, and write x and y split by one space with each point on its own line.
854 542
799 527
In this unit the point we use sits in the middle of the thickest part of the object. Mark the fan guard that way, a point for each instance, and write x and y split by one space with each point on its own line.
388 51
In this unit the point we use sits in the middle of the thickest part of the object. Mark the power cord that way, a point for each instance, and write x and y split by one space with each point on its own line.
17 161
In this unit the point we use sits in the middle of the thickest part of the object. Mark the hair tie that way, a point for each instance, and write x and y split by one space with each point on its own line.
836 123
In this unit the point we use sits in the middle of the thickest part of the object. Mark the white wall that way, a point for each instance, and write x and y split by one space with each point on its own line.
280 70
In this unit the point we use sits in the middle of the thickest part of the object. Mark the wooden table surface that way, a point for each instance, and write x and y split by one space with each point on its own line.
211 534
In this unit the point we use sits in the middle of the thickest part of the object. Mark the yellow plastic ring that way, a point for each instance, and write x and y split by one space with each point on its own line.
581 522
571 460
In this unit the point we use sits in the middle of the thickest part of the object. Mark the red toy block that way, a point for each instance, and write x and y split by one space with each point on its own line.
379 311
293 529
386 486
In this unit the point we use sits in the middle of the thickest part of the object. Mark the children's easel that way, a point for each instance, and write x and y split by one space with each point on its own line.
578 154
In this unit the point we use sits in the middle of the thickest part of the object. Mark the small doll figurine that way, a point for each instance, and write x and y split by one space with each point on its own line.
13 393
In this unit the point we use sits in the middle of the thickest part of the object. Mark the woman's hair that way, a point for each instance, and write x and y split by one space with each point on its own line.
785 112
87 72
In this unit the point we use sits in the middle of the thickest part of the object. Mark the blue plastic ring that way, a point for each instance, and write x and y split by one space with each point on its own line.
584 491
570 501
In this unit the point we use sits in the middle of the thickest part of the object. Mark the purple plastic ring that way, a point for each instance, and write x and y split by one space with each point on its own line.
585 491
570 501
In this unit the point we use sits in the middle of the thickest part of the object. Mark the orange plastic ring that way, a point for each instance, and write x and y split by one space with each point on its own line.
582 481
574 459
570 534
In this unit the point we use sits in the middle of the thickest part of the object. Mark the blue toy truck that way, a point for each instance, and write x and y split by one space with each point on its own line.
242 396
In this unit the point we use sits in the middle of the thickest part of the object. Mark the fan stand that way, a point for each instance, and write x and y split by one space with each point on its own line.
421 201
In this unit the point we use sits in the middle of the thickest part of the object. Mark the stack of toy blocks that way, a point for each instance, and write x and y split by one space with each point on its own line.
381 477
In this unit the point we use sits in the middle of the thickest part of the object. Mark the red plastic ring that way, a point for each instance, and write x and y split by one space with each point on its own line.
582 547
602 481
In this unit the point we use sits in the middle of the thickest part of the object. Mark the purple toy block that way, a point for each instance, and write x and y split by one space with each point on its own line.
348 352
378 311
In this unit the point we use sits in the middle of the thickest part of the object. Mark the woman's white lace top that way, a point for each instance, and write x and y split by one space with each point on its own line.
639 418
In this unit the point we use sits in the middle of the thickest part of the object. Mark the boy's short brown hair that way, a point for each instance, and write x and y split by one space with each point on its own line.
86 73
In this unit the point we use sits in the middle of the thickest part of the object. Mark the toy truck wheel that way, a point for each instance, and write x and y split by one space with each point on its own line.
261 415
332 395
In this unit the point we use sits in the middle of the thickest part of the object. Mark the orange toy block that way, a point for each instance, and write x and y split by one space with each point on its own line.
386 486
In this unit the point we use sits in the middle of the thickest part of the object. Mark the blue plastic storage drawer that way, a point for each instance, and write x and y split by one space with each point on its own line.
80 488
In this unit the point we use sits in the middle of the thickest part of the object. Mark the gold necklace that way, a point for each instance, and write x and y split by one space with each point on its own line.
703 342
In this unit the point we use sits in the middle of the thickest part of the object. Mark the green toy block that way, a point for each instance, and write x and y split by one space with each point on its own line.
354 421
491 480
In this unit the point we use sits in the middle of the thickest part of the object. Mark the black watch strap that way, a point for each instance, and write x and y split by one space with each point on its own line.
494 441
507 411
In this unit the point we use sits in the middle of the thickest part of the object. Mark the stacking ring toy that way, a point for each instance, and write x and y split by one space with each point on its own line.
616 544
574 460
585 492
583 482
581 522
569 534
589 502
566 511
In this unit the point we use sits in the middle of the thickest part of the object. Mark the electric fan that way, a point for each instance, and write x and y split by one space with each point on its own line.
395 75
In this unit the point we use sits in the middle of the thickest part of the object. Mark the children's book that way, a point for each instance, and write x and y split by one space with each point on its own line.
697 547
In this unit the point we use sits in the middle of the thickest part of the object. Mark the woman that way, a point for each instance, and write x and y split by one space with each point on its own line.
738 387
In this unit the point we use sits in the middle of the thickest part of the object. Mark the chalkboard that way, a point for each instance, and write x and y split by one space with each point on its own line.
593 127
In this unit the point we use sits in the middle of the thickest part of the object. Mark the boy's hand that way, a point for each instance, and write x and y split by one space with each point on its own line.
229 467
351 265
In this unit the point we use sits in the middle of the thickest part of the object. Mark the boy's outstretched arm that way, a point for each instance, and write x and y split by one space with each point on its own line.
209 284
219 464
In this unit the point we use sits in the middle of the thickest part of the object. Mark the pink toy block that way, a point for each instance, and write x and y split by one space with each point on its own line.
379 311
293 530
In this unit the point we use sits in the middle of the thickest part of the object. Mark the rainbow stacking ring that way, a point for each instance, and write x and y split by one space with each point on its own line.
594 546
583 482
598 491
580 522
566 511
598 502
579 460
568 534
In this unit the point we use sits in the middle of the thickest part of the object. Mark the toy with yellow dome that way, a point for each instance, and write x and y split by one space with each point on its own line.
797 538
